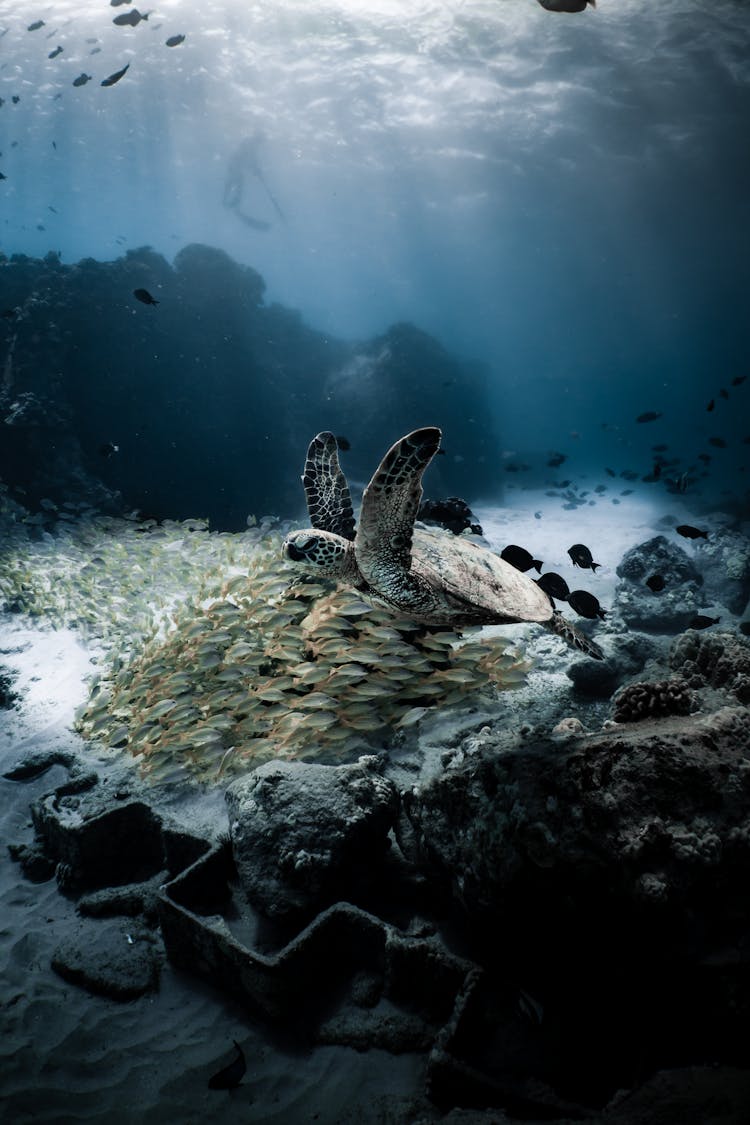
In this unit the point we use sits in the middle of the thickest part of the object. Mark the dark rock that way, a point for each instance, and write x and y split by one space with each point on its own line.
597 679
724 563
453 514
669 610
36 866
7 696
115 959
658 813
301 832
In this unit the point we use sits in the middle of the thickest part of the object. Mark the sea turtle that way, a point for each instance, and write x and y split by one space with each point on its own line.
429 575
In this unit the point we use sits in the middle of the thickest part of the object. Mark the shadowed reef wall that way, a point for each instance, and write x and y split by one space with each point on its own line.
212 395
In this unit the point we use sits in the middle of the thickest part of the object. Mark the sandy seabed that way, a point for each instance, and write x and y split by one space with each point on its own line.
66 1055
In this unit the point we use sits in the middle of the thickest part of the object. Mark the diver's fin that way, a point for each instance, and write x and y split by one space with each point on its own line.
565 629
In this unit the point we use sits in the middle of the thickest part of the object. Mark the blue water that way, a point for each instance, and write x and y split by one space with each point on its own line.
561 197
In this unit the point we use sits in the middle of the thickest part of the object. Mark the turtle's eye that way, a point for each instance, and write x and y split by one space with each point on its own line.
306 543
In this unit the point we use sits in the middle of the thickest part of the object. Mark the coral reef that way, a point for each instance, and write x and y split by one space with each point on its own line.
653 700
721 660
724 561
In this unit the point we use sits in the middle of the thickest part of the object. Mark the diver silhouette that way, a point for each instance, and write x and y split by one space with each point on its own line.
244 164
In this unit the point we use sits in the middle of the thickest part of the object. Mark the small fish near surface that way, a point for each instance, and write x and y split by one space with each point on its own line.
718 442
700 621
656 583
129 19
738 380
53 54
566 5
586 605
35 25
82 79
229 1076
144 297
520 558
113 78
687 531
648 416
554 585
581 556
711 405
175 40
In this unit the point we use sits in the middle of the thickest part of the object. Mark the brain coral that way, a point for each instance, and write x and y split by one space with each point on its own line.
273 666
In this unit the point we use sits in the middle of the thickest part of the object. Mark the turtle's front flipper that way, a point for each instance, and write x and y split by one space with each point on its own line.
391 501
326 491
560 625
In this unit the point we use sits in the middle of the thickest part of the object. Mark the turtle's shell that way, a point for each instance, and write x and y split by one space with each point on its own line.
477 584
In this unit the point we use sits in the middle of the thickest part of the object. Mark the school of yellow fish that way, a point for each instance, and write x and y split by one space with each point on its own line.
216 656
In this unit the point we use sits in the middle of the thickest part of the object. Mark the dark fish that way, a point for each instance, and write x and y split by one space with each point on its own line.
175 40
129 19
687 531
657 470
600 488
648 416
118 4
700 621
610 472
229 1076
118 74
15 99
35 25
554 585
586 605
705 457
144 297
3 176
520 558
50 207
656 583
566 5
739 380
556 460
343 443
659 448
718 442
53 54
581 556
723 393
40 226
82 79
711 405
108 448
627 492
629 474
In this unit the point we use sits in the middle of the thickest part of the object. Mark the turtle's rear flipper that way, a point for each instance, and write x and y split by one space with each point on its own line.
560 625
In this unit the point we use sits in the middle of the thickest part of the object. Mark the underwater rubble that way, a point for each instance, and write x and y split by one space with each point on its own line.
552 921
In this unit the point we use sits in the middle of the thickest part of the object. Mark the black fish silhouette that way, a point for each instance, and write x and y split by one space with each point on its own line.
118 74
581 556
687 531
229 1076
648 416
144 297
586 605
520 558
554 585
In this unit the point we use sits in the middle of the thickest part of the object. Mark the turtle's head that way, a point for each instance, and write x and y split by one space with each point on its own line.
321 552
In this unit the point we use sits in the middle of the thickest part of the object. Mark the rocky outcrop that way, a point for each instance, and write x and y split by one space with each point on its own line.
301 832
724 562
657 813
669 609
